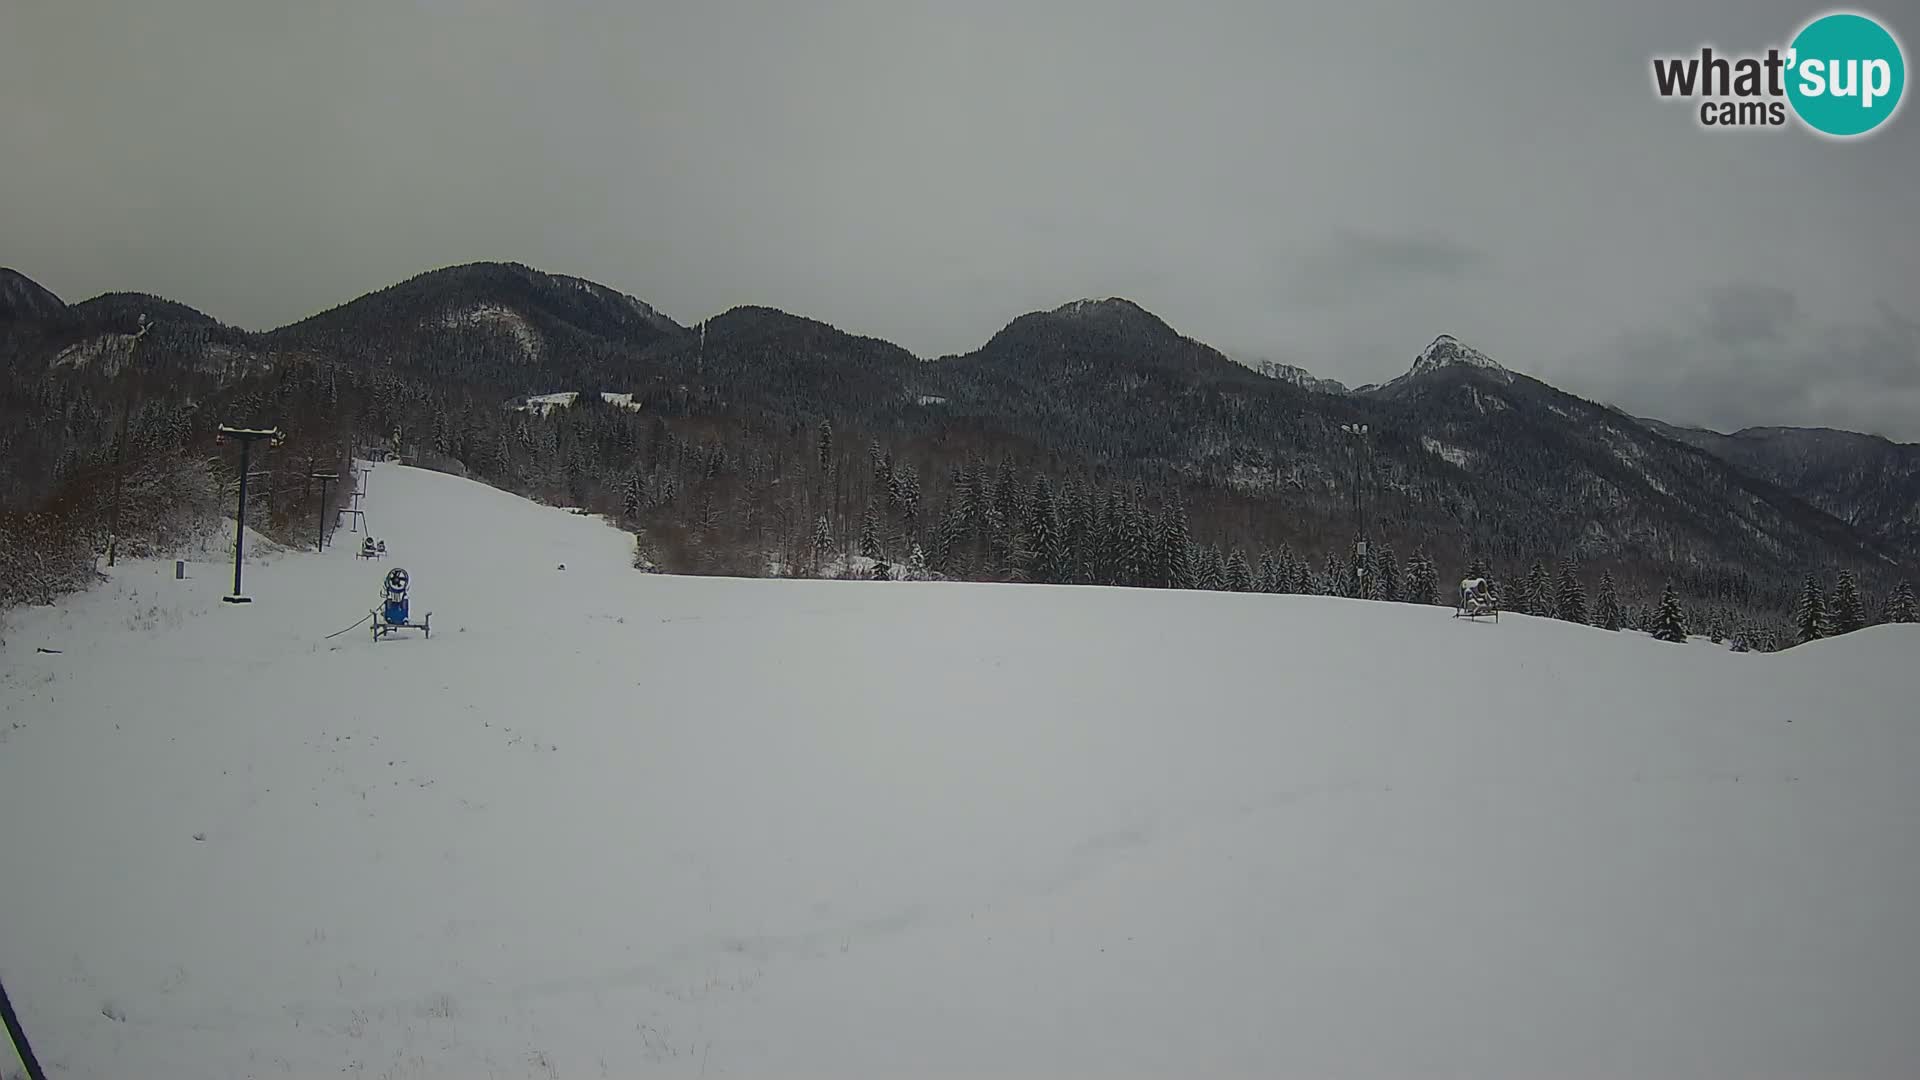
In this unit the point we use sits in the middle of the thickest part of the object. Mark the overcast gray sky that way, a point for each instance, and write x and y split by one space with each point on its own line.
1330 185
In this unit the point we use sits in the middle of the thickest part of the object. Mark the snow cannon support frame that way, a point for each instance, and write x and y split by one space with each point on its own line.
392 615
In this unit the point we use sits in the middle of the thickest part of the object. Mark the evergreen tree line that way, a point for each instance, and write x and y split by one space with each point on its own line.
777 496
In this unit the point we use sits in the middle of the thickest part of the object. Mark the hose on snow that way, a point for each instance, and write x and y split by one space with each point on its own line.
355 626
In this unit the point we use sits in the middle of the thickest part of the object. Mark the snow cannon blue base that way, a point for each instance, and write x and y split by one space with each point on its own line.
392 614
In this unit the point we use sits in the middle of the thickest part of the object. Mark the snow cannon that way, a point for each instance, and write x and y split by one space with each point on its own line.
395 596
1476 599
392 614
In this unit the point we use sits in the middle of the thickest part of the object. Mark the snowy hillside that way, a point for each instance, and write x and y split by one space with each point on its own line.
611 824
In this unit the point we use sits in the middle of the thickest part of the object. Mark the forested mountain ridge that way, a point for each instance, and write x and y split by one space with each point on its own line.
758 438
1870 482
23 299
494 325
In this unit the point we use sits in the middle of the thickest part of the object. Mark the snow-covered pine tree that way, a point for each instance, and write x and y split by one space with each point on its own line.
870 536
822 541
1900 606
1006 504
1213 570
1570 601
1811 619
1141 545
917 563
1478 568
1043 541
1539 597
1290 571
906 489
1423 580
1267 577
630 501
1239 576
1075 527
1110 560
965 499
1606 607
1384 583
1846 614
823 442
502 456
1333 578
936 546
1176 569
952 557
1669 623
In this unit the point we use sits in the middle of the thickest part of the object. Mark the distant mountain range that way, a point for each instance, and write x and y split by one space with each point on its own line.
1867 481
1464 455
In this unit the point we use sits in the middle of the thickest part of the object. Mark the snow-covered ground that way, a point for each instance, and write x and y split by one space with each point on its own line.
612 824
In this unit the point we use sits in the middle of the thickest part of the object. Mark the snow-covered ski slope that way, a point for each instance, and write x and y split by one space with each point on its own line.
609 824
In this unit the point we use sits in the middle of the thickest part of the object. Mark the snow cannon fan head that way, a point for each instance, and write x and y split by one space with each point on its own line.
396 582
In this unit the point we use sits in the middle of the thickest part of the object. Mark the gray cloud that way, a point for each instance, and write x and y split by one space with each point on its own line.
1334 187
1357 265
1747 355
1740 315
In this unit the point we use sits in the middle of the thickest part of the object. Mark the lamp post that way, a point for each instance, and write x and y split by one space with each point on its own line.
1359 433
246 438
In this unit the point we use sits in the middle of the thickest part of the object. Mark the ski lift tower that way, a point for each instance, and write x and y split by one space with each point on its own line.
1362 448
246 437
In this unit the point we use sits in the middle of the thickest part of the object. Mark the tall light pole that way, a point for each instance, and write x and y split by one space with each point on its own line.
120 440
1359 434
246 438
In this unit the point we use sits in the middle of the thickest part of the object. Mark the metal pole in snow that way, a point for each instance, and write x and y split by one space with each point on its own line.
247 437
19 1036
240 525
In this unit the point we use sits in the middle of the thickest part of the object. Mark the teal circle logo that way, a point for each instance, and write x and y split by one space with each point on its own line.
1845 74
